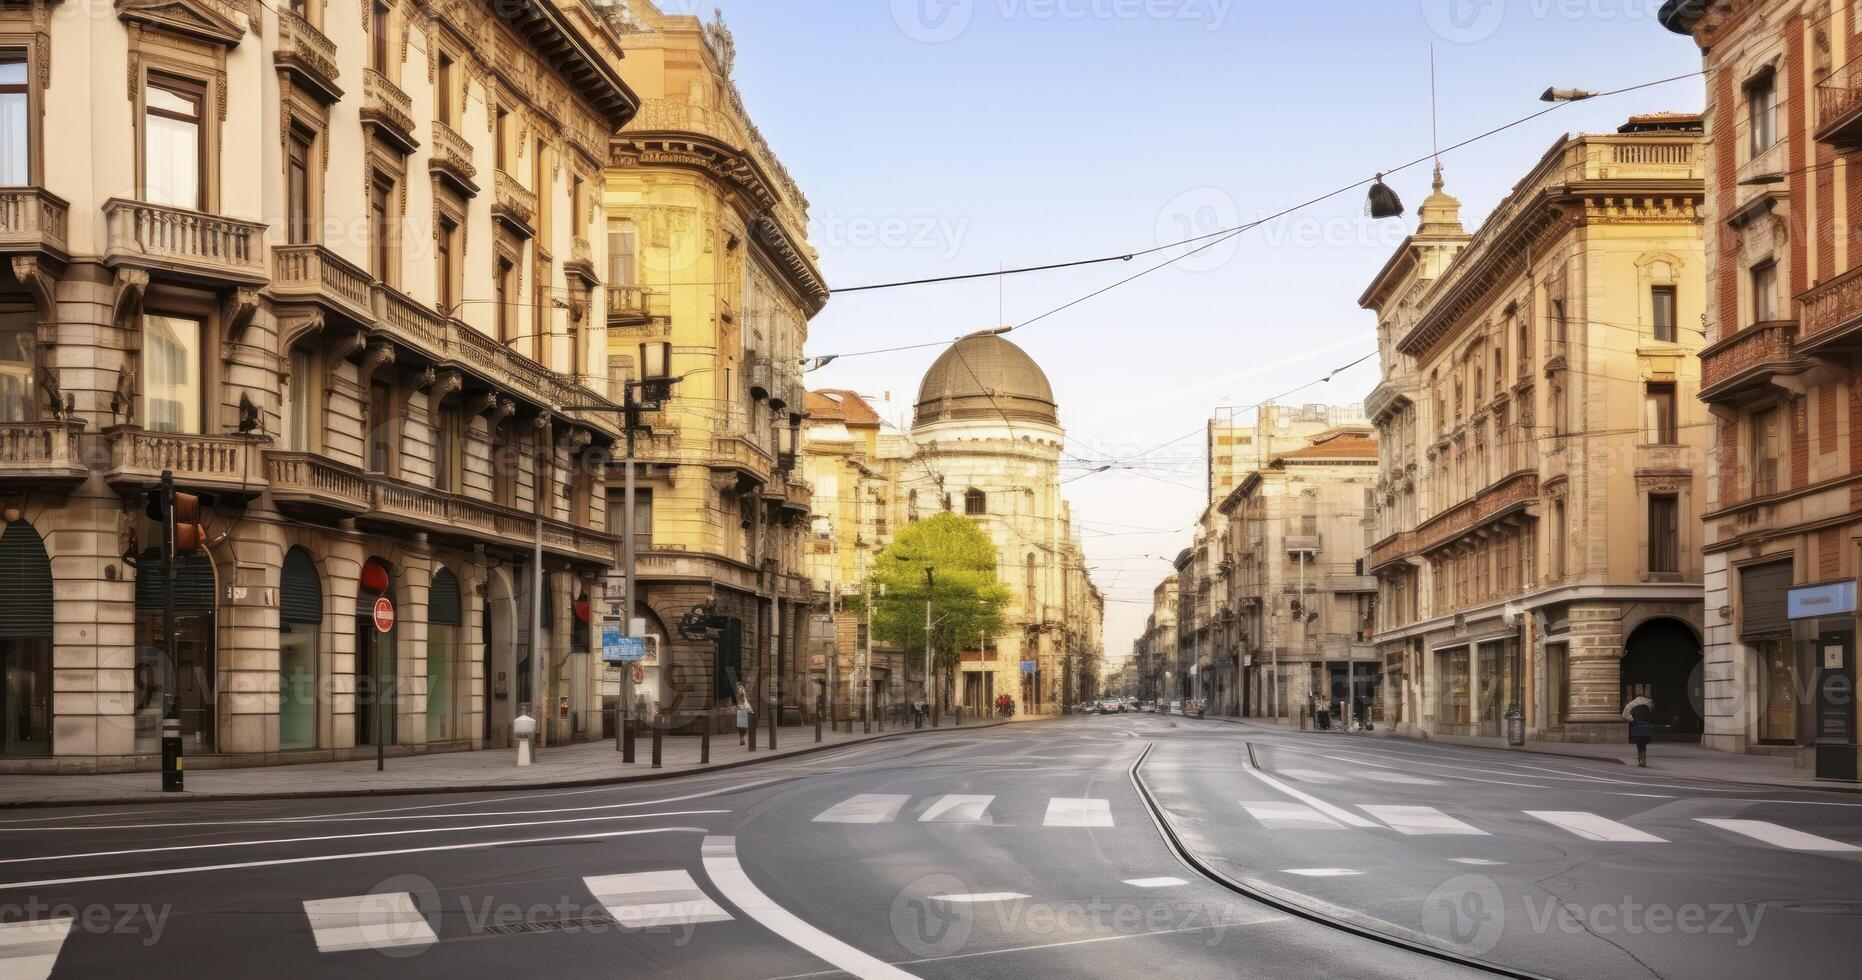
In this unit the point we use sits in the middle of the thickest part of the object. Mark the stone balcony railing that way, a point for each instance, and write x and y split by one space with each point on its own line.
190 244
739 453
458 518
37 455
1737 369
228 464
1458 520
635 305
1393 548
309 482
1831 314
514 204
452 158
314 273
307 54
32 219
388 110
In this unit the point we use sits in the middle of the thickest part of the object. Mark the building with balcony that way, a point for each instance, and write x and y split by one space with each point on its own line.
1205 646
1156 649
1298 602
1242 440
710 279
1782 495
266 267
1542 447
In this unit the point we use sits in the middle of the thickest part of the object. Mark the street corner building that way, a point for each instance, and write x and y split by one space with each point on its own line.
711 284
1782 493
333 268
1543 450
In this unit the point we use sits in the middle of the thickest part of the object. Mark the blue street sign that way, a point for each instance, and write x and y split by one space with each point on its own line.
618 649
1028 666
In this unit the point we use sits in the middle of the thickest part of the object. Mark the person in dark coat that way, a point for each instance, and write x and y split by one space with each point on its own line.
1640 714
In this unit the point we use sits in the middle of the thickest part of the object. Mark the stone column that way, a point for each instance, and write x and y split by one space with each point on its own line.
413 574
342 566
247 571
1596 664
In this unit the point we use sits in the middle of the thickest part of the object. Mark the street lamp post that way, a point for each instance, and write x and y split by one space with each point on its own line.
930 691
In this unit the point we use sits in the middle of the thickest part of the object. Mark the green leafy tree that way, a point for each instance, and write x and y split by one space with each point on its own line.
967 602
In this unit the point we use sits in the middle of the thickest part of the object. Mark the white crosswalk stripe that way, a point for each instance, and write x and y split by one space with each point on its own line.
1312 775
1278 815
381 921
957 809
1070 812
655 898
1593 827
865 808
1785 837
1164 882
1421 821
29 949
1322 872
1397 778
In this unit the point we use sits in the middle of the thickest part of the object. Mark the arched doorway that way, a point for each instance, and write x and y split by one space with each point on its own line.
376 670
1662 662
445 612
300 633
499 629
25 642
188 676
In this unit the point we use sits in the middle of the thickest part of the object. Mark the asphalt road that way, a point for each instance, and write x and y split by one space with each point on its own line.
1027 850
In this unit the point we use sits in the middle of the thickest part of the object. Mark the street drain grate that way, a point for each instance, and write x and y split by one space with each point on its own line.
548 925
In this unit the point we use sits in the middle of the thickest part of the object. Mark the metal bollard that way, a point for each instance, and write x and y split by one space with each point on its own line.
753 731
629 729
704 738
659 739
817 724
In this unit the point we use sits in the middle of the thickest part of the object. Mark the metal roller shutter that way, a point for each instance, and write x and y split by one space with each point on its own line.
25 584
1763 590
443 603
193 583
301 592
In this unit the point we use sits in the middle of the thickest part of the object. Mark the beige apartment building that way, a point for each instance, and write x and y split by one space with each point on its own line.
1299 603
331 265
1156 650
1782 501
1243 440
1542 448
711 280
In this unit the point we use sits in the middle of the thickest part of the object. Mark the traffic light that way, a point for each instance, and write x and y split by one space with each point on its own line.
189 534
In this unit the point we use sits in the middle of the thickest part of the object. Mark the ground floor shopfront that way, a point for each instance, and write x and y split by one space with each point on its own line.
1286 687
1565 660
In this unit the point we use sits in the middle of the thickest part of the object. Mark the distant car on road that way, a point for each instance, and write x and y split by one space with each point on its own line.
1111 706
1173 708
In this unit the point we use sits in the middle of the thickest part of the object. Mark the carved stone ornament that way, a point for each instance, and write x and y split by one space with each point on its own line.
210 21
445 385
126 303
237 309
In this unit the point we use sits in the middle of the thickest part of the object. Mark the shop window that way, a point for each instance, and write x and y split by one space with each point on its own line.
1777 675
444 614
300 631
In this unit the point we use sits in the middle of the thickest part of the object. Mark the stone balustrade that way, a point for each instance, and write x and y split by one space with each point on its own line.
228 464
183 241
37 454
32 218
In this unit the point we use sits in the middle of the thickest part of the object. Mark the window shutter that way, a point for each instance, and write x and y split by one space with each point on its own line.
301 591
443 603
25 584
1763 590
193 583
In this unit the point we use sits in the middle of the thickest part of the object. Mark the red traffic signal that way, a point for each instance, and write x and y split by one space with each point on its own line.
189 532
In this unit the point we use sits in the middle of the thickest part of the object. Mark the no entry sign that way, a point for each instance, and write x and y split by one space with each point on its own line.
384 615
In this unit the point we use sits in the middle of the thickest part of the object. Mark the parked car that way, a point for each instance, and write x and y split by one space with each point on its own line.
1173 708
1111 706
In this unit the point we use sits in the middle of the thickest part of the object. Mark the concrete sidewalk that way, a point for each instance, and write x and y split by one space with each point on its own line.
1665 758
582 764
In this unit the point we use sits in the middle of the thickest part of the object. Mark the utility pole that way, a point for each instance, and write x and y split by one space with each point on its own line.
866 592
536 637
173 772
624 710
930 692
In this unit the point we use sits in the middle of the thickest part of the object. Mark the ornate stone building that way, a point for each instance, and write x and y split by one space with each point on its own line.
1783 488
1542 447
711 280
331 265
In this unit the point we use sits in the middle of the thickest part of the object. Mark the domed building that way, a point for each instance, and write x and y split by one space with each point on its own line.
986 442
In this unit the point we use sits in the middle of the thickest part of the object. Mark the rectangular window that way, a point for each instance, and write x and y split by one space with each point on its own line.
379 38
15 121
448 441
623 243
643 520
171 362
172 142
381 229
544 484
576 203
1559 544
1664 533
18 363
1662 312
381 428
1762 111
300 406
1659 413
445 265
540 347
1765 291
297 185
540 185
443 91
1763 462
500 138
503 294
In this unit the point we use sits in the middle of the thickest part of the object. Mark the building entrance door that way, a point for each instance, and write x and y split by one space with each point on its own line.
1662 662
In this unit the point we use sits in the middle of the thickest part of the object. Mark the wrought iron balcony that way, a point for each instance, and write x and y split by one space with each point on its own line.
315 486
32 219
189 245
225 464
41 455
1832 316
1839 107
452 159
307 56
1740 368
388 111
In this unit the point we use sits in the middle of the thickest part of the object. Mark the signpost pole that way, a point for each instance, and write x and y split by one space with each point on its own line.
384 622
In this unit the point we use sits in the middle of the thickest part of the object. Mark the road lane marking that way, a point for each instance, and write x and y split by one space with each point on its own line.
722 867
1065 811
386 920
1785 837
655 898
1339 814
979 898
1310 775
957 809
1164 882
1399 778
865 808
1321 872
1280 815
1421 821
29 949
1478 862
378 833
320 858
1593 827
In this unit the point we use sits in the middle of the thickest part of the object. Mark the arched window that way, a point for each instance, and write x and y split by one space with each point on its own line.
300 631
445 613
974 503
25 642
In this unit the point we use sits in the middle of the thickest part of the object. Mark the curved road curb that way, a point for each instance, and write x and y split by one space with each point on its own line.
1190 859
643 777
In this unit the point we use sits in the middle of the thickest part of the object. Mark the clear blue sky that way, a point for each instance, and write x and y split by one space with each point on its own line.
936 137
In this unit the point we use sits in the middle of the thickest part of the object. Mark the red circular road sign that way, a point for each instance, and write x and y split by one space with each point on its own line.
384 615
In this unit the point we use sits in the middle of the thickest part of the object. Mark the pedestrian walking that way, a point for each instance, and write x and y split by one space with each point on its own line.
1321 713
743 713
1640 713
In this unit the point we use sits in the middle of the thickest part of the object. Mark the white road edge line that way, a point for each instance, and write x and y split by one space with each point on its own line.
727 875
317 859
